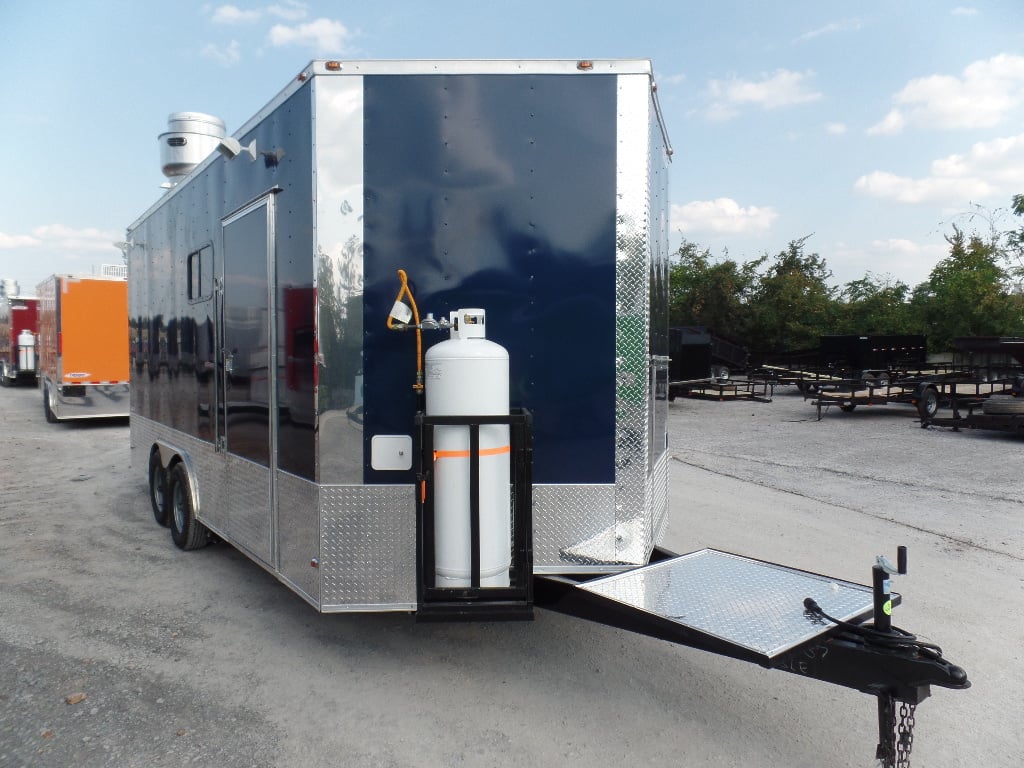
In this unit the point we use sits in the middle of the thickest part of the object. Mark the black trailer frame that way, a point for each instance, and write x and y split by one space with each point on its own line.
926 394
874 658
760 390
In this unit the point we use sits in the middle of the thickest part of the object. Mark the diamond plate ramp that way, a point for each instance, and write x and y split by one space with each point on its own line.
755 605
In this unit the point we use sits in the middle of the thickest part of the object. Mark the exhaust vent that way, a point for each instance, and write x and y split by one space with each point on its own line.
190 137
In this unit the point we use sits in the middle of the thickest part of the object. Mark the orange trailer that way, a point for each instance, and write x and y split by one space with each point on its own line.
83 345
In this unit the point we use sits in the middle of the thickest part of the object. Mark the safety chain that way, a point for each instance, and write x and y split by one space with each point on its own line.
896 736
905 735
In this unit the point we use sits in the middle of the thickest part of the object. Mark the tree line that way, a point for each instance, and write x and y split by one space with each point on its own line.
784 302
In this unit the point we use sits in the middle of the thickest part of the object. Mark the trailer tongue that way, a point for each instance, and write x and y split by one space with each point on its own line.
778 617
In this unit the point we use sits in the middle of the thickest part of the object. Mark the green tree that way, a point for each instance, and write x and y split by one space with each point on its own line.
793 303
1015 244
966 294
714 294
874 305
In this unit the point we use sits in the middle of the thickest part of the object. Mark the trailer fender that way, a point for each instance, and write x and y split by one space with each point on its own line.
170 455
48 401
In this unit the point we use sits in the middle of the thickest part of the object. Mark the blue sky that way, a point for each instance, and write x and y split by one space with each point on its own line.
873 126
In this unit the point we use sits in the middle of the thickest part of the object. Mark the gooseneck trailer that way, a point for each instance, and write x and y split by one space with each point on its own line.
416 359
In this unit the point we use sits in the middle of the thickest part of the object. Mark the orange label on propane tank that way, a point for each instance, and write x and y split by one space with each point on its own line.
465 454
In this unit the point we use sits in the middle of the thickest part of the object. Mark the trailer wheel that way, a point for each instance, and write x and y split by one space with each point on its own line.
186 532
928 404
47 409
847 407
158 489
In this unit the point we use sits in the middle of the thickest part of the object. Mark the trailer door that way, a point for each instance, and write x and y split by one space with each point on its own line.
247 387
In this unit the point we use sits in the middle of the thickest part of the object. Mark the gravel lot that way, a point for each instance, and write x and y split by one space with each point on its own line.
204 659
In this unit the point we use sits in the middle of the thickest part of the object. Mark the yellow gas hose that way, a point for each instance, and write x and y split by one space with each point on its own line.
404 291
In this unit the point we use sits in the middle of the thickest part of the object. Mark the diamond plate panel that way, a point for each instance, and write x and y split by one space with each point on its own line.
746 602
632 295
142 433
241 488
633 504
367 548
299 534
233 494
659 499
572 525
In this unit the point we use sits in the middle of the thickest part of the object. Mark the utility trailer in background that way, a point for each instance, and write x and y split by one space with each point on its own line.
990 357
999 413
83 345
19 326
925 394
704 365
983 368
522 458
999 361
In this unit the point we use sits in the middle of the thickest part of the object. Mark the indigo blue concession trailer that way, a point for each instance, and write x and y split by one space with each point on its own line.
402 339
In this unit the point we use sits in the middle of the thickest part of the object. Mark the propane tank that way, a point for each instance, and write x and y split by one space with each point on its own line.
467 375
26 351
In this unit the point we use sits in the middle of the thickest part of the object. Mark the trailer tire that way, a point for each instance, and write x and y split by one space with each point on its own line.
186 532
51 417
928 403
158 495
847 407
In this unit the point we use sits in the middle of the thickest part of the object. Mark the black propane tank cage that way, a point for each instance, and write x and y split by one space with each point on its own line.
476 603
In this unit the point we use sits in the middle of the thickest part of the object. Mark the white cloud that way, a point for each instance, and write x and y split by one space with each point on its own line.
232 14
846 25
980 98
290 11
989 168
783 88
673 79
227 55
721 216
62 237
17 241
888 259
323 35
835 129
961 10
899 245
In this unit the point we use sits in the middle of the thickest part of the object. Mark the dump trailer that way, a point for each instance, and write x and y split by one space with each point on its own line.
19 325
83 345
881 357
416 360
868 360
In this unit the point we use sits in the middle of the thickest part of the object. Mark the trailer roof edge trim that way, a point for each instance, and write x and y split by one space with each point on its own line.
478 67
